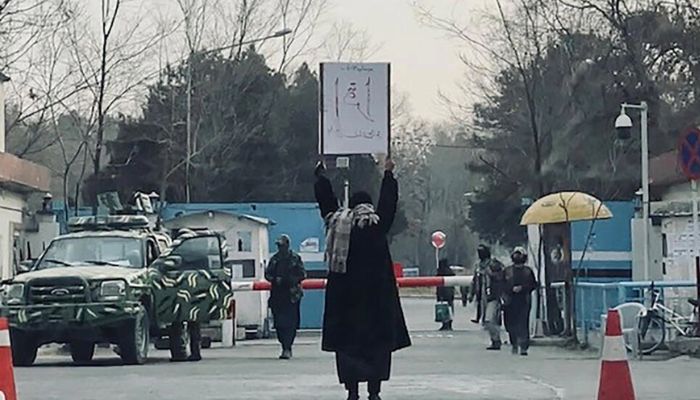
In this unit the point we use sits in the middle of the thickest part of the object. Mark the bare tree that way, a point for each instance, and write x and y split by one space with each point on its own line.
198 16
302 18
346 43
32 55
512 42
112 63
25 24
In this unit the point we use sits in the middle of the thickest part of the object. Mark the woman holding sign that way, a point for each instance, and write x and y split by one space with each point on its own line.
363 321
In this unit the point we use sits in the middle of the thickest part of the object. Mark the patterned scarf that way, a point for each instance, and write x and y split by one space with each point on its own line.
340 226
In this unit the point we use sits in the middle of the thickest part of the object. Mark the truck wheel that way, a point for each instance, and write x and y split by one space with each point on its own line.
24 349
133 339
82 352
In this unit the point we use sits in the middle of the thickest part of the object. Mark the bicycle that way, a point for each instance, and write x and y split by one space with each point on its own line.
654 322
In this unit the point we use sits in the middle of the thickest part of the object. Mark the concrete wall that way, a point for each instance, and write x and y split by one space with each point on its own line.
680 248
676 233
11 206
655 251
47 230
602 250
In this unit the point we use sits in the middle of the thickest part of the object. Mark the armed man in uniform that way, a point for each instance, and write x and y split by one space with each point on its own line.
285 271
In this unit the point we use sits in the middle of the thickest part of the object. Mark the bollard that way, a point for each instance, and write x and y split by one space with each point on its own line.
228 327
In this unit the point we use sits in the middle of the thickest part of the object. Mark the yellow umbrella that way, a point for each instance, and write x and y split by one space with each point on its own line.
565 207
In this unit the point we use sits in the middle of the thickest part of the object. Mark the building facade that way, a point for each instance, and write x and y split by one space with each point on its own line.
18 179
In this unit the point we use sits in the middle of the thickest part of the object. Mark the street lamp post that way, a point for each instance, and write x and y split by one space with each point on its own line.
188 160
623 123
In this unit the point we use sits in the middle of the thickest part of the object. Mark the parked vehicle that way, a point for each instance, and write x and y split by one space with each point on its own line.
115 280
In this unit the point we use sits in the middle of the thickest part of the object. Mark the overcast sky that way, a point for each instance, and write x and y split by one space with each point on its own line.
423 60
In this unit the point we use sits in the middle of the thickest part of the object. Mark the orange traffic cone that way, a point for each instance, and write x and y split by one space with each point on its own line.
7 377
615 378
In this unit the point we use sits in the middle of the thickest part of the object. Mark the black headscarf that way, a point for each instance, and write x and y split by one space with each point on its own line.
484 252
360 197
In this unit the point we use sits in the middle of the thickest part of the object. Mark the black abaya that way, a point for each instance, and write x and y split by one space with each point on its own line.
363 322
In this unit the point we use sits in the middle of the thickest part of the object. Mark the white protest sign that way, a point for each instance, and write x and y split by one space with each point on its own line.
355 108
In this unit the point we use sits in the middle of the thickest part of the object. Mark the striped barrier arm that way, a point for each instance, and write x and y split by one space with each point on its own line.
320 284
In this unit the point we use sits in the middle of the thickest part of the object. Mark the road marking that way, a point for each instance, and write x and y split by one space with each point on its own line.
431 386
432 336
559 392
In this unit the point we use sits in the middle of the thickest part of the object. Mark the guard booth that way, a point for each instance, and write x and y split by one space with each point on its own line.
248 253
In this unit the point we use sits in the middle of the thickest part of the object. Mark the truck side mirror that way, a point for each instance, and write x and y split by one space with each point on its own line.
169 263
25 266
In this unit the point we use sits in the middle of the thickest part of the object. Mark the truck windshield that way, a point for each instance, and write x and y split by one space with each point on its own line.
102 250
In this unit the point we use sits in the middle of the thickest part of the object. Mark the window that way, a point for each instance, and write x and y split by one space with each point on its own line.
203 252
248 268
95 250
664 245
241 269
245 241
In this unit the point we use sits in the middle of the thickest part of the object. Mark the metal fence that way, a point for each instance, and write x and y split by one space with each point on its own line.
592 299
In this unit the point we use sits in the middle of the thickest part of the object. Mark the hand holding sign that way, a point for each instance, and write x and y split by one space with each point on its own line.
389 165
320 169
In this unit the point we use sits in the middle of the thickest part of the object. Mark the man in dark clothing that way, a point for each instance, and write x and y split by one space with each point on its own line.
490 287
446 293
464 294
363 322
484 253
285 271
519 283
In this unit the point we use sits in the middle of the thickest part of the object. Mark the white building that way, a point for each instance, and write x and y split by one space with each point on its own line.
247 239
18 179
672 212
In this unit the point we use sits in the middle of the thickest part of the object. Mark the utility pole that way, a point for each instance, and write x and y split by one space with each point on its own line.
188 161
189 73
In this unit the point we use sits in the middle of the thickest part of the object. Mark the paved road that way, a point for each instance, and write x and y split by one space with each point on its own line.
438 367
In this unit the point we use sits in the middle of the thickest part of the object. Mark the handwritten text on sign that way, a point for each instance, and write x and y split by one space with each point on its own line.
355 108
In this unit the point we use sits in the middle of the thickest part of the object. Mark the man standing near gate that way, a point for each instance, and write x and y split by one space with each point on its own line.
487 287
285 271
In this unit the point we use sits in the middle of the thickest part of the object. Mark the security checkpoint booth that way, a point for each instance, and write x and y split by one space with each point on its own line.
549 222
248 252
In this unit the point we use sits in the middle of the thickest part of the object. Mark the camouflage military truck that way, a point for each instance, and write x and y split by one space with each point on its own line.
114 280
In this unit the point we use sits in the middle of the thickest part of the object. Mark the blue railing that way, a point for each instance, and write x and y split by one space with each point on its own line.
594 299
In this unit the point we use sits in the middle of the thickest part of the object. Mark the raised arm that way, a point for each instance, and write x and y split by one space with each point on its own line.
388 198
323 190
